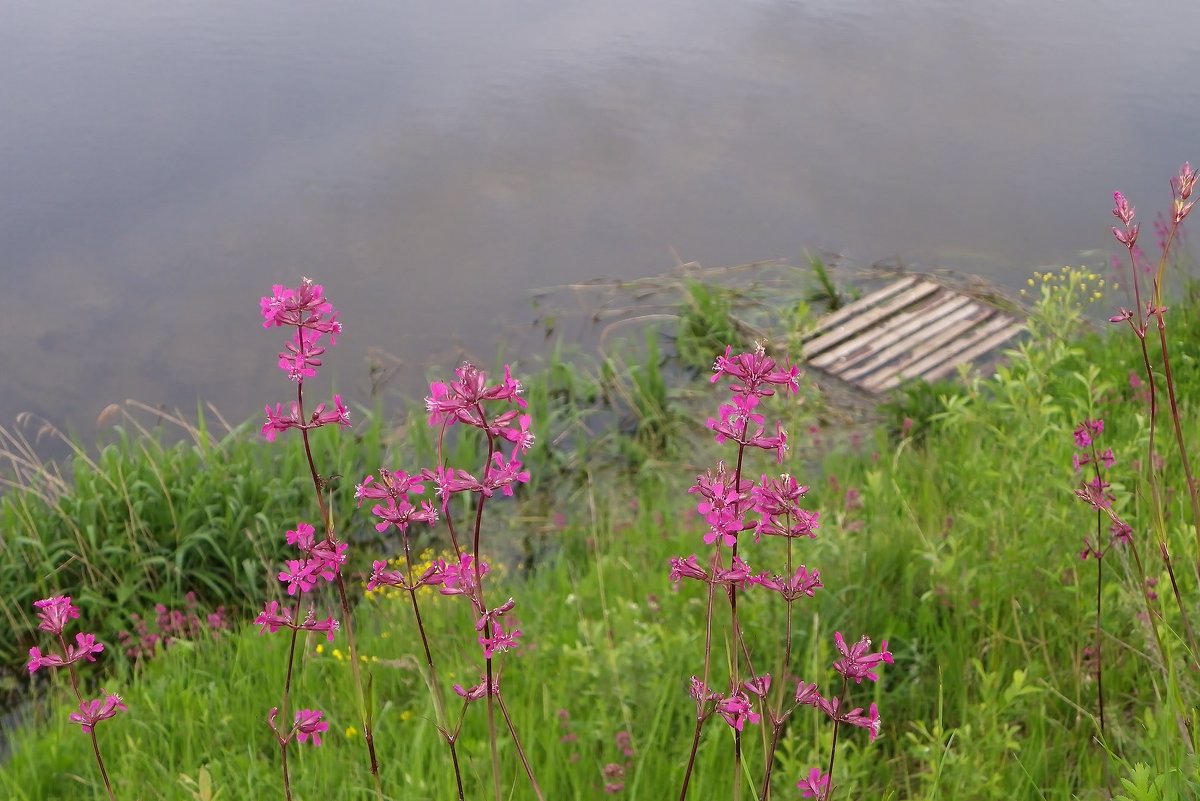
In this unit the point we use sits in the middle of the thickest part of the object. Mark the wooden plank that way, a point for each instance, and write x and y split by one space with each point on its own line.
875 381
918 319
838 317
861 347
959 309
868 319
971 354
946 356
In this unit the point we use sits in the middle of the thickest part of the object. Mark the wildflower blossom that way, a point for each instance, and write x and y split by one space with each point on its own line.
759 685
92 712
1181 189
737 711
85 648
856 662
460 401
55 612
802 582
869 721
754 373
816 785
459 578
687 568
309 724
500 640
480 690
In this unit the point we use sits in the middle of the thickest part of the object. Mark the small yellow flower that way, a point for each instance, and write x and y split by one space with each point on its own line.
337 654
406 714
320 649
351 731
1097 295
1029 281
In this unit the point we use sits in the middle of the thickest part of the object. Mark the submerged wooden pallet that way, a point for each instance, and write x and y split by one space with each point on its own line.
911 328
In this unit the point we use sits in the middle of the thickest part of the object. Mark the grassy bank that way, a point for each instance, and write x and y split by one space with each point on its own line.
955 534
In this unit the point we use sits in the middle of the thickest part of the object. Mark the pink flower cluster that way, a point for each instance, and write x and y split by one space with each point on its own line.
1095 491
306 724
466 400
732 505
170 625
320 562
312 315
726 503
306 309
54 614
396 508
754 376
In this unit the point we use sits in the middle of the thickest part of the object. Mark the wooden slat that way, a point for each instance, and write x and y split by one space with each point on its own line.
945 356
958 309
869 318
838 317
875 382
910 328
845 355
994 341
919 320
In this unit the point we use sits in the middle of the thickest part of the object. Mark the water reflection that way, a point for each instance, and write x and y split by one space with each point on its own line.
163 165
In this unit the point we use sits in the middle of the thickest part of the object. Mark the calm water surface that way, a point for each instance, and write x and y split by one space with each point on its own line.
162 164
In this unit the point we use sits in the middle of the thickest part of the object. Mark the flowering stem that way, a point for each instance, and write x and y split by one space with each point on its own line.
738 641
776 731
1187 625
833 746
319 488
1193 497
512 730
79 697
776 715
100 763
708 618
687 773
435 687
1099 660
287 785
356 672
285 701
1193 491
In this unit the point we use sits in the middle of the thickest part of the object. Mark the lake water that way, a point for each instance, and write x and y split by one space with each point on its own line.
162 164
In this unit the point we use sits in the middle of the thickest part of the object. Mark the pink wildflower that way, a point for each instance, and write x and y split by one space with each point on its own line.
55 612
737 711
815 786
92 712
309 724
856 663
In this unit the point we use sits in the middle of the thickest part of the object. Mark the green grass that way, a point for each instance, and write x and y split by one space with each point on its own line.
963 554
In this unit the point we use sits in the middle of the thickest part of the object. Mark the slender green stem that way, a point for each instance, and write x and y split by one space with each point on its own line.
62 642
435 687
1099 659
319 488
512 730
691 763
